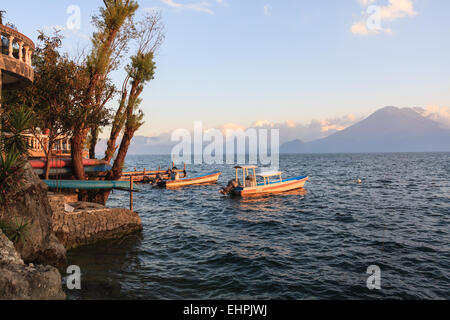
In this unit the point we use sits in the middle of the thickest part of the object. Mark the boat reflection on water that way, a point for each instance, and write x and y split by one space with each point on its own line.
258 198
273 213
273 205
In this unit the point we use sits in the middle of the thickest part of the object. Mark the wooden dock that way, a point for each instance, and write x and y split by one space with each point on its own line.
149 176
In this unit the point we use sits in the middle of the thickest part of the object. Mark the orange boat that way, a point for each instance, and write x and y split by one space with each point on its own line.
205 179
65 163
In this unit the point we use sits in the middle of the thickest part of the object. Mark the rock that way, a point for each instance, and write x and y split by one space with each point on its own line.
21 282
8 254
28 203
86 206
90 223
68 208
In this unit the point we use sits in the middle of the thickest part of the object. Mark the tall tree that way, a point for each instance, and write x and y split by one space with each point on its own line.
104 57
140 71
150 34
129 117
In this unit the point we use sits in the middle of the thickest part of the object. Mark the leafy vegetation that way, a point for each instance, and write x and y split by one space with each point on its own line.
72 97
13 149
13 155
17 232
54 96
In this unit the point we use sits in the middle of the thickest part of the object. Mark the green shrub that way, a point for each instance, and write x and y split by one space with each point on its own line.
13 149
17 232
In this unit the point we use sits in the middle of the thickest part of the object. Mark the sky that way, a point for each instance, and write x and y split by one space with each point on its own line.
309 67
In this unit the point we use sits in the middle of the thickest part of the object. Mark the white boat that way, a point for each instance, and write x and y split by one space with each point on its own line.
273 182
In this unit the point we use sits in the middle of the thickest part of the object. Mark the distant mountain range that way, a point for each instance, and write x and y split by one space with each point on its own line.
388 130
140 145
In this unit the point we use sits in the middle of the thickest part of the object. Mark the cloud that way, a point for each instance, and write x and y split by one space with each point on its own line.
360 28
267 10
230 126
366 3
397 9
316 129
374 15
54 28
203 6
153 9
263 123
289 130
222 2
436 113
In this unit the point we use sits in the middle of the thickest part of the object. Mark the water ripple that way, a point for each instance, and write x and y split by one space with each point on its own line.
310 244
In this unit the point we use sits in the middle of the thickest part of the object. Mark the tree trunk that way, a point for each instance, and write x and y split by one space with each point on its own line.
117 170
111 149
94 140
78 140
117 126
1 114
98 196
48 163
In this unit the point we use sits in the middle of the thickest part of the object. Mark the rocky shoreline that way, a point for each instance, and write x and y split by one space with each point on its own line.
52 225
27 203
19 281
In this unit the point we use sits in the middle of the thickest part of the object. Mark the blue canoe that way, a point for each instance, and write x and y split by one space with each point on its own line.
88 184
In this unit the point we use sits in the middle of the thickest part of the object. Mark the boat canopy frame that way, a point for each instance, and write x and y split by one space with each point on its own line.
245 173
265 175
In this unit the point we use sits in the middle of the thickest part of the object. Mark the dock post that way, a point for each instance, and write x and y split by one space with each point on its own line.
131 193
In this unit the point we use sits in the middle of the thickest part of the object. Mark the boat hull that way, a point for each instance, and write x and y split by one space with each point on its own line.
69 170
278 187
206 179
65 163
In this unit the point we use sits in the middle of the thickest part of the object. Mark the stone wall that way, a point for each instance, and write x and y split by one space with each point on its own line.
90 223
19 281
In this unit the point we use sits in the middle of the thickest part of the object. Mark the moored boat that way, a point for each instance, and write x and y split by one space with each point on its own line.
272 182
69 170
204 179
153 176
65 163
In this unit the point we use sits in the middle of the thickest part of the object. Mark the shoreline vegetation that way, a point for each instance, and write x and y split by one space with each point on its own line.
70 99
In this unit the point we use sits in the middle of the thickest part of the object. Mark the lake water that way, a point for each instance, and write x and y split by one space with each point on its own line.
315 243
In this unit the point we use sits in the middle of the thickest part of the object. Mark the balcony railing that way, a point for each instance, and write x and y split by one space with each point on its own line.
37 144
16 45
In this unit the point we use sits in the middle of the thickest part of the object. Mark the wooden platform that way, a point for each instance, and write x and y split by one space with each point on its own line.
148 176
